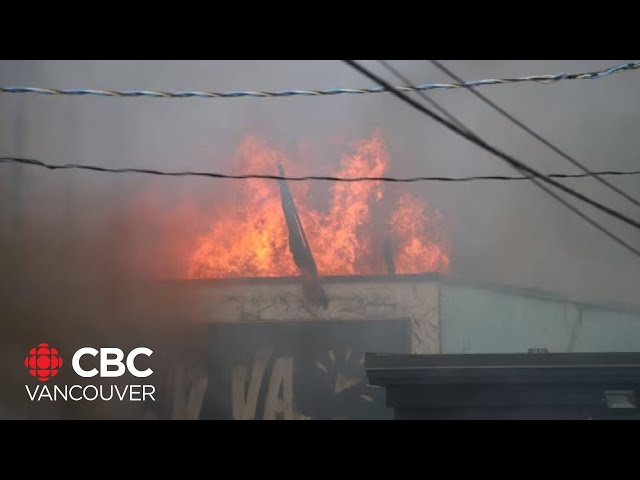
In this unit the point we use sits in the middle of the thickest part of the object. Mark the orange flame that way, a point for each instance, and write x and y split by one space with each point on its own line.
414 252
248 236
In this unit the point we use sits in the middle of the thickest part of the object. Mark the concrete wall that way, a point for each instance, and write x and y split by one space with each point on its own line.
484 320
281 300
608 331
446 317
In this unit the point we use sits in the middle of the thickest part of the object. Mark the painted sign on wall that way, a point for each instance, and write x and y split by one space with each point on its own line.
298 370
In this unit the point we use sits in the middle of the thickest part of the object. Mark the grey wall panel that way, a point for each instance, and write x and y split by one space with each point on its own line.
477 320
608 331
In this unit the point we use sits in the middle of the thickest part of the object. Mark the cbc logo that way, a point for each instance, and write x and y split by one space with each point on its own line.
44 362
111 357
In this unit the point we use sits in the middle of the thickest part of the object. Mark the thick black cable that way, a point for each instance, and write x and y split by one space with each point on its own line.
329 178
537 136
481 143
72 166
575 210
424 96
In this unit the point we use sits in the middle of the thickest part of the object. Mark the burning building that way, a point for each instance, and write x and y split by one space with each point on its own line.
282 337
270 354
288 298
293 283
347 230
266 296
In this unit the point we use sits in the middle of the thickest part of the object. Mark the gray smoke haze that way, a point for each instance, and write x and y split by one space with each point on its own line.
73 262
502 232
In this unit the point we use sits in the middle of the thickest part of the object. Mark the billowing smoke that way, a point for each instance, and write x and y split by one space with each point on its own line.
77 247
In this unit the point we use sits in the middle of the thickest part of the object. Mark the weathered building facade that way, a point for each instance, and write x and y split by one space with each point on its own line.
270 354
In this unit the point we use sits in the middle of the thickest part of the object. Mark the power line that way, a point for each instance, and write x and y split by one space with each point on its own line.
543 79
38 163
537 136
424 96
575 210
329 178
481 143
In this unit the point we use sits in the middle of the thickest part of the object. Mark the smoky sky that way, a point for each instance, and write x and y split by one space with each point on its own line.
501 232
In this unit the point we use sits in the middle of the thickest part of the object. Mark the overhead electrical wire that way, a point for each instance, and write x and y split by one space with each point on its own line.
453 124
575 210
471 135
537 136
543 79
424 96
329 178
481 143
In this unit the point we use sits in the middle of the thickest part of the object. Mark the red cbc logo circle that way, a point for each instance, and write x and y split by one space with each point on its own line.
43 362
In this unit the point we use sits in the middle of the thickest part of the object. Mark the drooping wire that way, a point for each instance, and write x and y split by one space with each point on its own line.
328 178
543 79
424 96
537 136
471 135
481 143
